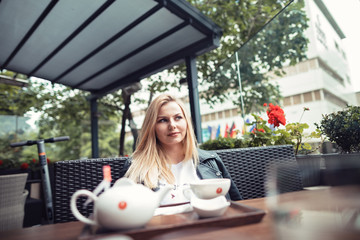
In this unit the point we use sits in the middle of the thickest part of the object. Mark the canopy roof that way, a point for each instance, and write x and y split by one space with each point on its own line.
100 45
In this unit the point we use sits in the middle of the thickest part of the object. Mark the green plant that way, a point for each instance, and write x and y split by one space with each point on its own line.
223 143
267 133
293 133
343 128
7 164
32 164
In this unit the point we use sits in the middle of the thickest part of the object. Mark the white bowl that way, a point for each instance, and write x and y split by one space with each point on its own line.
210 188
210 207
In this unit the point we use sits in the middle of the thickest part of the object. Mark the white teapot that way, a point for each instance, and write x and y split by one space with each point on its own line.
125 205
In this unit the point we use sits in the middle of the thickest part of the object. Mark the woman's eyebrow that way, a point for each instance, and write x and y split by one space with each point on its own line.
163 116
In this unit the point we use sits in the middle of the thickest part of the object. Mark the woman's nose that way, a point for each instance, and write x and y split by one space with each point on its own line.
172 124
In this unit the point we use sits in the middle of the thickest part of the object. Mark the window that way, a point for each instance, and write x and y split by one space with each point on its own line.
206 118
297 99
227 113
287 101
234 112
308 97
317 95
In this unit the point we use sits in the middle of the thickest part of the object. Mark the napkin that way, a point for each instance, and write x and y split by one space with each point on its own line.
173 209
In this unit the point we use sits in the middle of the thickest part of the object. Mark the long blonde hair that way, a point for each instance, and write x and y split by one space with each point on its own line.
149 163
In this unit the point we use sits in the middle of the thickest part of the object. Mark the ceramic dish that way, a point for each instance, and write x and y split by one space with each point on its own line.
210 207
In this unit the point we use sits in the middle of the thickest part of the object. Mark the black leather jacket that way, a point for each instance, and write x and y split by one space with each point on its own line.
210 166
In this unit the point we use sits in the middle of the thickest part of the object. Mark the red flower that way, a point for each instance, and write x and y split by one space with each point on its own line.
276 115
258 130
265 104
1 162
34 160
47 160
126 155
24 166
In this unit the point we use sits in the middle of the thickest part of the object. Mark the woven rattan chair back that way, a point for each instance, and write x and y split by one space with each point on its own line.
250 167
73 175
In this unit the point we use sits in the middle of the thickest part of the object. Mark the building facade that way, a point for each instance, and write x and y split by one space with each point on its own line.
322 82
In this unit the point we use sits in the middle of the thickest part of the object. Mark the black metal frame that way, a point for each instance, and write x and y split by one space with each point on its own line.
182 9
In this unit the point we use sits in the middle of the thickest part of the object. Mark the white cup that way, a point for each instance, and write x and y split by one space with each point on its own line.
209 188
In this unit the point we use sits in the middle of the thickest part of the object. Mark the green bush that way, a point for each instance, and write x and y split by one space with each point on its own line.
223 143
343 128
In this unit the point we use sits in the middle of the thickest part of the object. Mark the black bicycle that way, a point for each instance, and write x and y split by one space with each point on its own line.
45 178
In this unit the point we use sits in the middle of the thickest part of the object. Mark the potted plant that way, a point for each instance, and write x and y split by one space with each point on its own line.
275 131
343 128
265 133
310 165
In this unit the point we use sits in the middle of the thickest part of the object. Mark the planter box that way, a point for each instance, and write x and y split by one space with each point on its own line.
15 171
329 169
342 168
341 160
311 168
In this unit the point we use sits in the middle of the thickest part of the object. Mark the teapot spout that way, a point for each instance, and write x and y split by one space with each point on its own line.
162 192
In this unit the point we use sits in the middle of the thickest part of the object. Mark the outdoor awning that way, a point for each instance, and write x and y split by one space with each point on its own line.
104 45
98 45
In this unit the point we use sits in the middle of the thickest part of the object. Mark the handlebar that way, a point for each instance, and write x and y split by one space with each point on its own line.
44 169
57 139
32 142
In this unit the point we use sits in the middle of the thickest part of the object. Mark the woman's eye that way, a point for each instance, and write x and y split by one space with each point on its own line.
178 117
162 120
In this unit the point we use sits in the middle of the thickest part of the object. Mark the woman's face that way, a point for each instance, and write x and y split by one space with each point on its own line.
170 127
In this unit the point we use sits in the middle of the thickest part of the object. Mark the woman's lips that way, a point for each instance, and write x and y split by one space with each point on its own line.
173 134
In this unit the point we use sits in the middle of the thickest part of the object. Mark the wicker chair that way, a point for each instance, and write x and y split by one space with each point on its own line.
249 168
12 200
72 175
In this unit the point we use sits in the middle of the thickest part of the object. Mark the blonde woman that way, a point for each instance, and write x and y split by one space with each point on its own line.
167 152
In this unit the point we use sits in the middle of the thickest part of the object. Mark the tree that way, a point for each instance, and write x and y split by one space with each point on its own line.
281 42
67 113
15 102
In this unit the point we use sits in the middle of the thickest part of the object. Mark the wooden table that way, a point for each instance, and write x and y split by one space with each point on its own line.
258 231
72 230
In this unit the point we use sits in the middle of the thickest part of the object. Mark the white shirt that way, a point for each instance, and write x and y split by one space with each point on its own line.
184 173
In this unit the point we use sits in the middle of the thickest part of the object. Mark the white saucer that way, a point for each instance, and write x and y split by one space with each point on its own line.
210 207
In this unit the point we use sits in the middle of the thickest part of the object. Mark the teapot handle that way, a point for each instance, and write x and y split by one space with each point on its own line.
75 210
